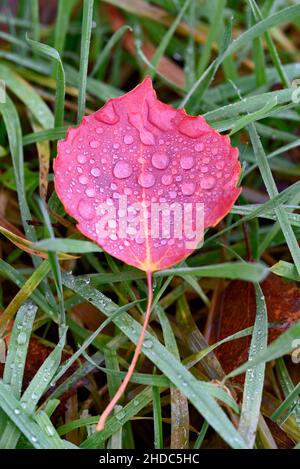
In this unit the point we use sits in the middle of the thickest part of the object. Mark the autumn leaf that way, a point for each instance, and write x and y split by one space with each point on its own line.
143 180
236 309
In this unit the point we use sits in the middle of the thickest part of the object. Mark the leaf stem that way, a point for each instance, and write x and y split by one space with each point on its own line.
121 390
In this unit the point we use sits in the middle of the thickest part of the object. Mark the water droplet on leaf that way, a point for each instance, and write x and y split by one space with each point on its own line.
122 170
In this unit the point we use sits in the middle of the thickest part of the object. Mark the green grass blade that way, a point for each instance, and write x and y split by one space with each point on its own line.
10 405
14 133
166 39
193 389
50 52
61 24
34 4
28 96
281 346
48 429
216 23
254 380
272 191
67 245
87 19
157 418
272 49
25 292
252 117
115 38
253 272
285 269
291 399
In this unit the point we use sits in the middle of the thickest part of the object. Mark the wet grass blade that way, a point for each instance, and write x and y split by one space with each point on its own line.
269 182
176 372
14 133
254 380
24 293
28 96
15 365
281 346
66 245
10 405
179 404
87 19
254 116
157 418
50 52
251 272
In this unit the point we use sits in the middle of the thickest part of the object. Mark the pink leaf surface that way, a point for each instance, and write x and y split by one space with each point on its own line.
136 157
142 151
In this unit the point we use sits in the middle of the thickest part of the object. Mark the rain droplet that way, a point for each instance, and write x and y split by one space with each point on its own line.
208 183
83 180
146 180
188 188
148 343
94 144
81 159
17 411
122 170
128 139
85 209
131 231
95 172
22 338
187 162
160 160
90 192
120 415
50 430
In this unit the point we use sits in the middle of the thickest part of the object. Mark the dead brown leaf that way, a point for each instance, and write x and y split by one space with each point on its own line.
235 310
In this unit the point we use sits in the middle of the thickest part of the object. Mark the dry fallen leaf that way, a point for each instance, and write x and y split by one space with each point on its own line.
235 310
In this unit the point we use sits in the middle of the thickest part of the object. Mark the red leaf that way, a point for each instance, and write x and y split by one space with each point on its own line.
138 148
133 153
